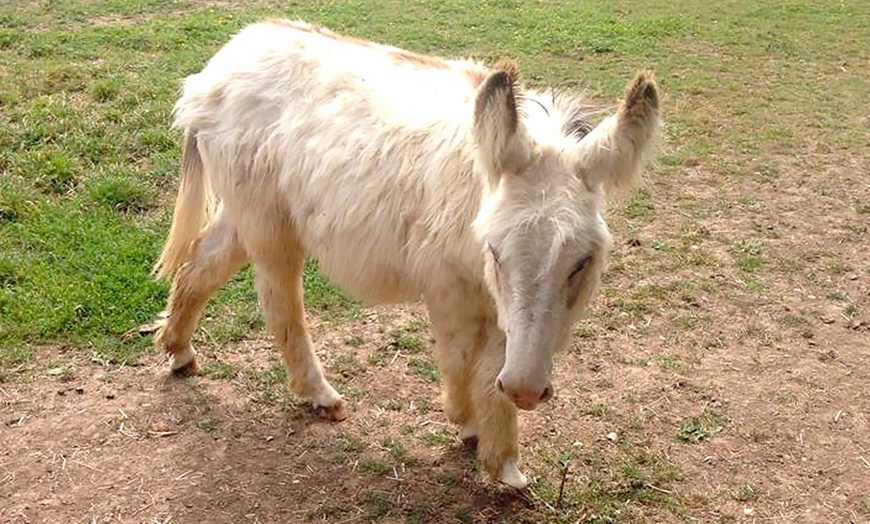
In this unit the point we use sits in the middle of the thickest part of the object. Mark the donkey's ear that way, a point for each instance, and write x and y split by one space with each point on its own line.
614 153
497 121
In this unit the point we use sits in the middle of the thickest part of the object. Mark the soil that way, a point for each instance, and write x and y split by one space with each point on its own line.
136 444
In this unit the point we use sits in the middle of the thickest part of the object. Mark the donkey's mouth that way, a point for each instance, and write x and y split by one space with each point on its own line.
526 405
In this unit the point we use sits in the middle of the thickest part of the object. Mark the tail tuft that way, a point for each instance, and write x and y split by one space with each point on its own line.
192 210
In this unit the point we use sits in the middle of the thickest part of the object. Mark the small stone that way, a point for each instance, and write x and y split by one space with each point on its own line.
110 396
852 276
612 437
56 371
80 390
747 511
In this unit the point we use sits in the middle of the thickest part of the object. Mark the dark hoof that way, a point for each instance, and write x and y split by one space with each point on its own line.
335 413
188 370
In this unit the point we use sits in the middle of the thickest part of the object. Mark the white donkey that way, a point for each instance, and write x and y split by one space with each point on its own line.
406 176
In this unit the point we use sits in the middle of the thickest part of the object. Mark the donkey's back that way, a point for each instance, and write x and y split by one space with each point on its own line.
267 66
356 143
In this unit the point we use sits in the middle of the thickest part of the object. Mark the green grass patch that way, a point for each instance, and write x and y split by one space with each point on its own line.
374 466
424 369
376 506
596 410
614 489
703 426
219 370
76 276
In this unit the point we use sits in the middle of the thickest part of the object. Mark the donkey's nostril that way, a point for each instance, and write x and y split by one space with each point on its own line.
547 394
498 385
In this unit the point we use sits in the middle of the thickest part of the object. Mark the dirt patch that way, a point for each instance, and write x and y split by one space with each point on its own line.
86 443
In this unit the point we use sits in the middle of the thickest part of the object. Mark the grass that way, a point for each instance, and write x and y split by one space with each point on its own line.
619 488
88 147
90 162
702 427
596 410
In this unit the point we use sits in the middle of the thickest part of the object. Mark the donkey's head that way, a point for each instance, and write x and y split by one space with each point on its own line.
541 225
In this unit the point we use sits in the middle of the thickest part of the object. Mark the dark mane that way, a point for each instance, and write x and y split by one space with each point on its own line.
576 113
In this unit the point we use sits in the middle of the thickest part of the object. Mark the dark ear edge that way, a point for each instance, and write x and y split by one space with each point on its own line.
641 97
498 132
511 68
497 85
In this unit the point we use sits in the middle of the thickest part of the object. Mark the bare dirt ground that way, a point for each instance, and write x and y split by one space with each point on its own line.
93 443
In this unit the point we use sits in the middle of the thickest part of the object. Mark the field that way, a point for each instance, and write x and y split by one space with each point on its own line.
721 376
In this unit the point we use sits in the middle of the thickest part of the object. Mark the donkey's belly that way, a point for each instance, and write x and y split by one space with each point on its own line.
365 275
356 224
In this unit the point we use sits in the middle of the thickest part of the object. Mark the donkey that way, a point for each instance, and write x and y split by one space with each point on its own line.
407 177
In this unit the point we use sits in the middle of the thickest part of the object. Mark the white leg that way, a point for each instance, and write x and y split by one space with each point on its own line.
470 350
511 474
215 257
278 263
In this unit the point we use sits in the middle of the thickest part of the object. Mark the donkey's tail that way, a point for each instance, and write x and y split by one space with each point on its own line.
194 205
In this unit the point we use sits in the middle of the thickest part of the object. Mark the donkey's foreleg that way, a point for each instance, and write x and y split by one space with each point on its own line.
279 286
496 416
214 258
453 356
458 335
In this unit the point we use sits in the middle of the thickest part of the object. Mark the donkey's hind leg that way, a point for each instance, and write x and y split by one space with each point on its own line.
216 255
278 263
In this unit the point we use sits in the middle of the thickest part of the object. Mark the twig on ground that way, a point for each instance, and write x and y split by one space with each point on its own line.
186 473
162 433
143 508
80 463
660 490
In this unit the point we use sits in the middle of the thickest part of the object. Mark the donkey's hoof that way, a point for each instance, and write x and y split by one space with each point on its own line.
512 476
468 434
183 363
335 413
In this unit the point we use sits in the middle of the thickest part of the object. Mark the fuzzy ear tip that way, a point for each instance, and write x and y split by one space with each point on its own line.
499 80
511 68
643 89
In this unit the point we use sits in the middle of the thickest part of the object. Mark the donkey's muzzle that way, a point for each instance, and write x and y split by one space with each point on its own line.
525 395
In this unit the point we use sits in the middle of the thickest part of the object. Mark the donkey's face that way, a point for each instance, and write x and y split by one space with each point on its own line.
544 239
543 263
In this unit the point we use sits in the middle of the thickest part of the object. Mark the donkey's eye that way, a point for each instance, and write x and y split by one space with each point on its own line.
494 253
580 266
